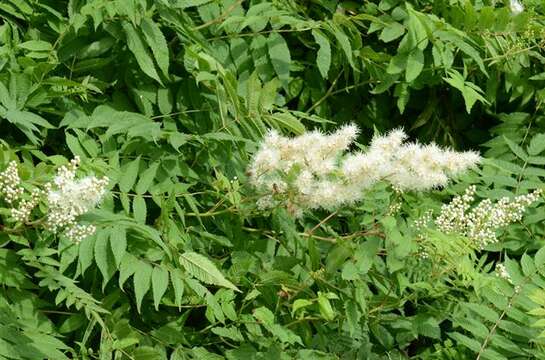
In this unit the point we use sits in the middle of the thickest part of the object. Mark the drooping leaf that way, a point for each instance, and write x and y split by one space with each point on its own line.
279 54
156 41
118 243
142 282
204 270
140 51
129 174
323 56
415 64
159 284
139 208
104 257
146 178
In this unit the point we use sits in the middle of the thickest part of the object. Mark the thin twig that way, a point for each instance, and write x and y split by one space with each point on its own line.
327 94
220 18
322 222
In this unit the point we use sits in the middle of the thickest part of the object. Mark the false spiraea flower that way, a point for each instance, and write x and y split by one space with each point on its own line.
407 166
516 7
66 197
314 171
22 212
501 272
481 222
10 181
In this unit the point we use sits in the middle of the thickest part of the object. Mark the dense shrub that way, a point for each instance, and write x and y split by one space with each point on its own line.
177 259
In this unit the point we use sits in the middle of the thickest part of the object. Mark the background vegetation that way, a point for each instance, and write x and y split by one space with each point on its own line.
169 99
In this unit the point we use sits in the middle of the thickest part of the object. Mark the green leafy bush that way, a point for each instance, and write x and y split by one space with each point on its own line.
170 100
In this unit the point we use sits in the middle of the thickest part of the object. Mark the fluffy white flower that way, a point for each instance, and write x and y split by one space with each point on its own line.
68 198
516 7
313 171
388 145
305 182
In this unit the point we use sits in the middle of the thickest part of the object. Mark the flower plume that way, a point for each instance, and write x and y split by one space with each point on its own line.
67 198
314 170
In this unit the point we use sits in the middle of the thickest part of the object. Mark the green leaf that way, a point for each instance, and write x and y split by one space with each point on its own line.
104 258
72 323
323 56
337 256
540 76
427 326
415 64
344 41
129 172
269 94
299 304
147 353
204 270
266 318
326 310
177 140
139 209
397 63
213 310
6 99
146 178
36 45
418 37
142 282
140 51
189 3
537 144
118 244
391 32
352 316
176 277
350 271
279 53
403 95
228 332
25 117
26 122
539 257
75 147
156 41
515 148
165 100
86 253
253 92
457 40
127 268
159 284
470 92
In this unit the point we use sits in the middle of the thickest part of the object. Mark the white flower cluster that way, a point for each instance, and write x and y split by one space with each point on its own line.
516 7
313 171
407 166
23 210
481 222
68 198
10 181
501 271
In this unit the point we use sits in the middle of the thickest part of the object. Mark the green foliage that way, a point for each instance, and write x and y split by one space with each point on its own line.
169 99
